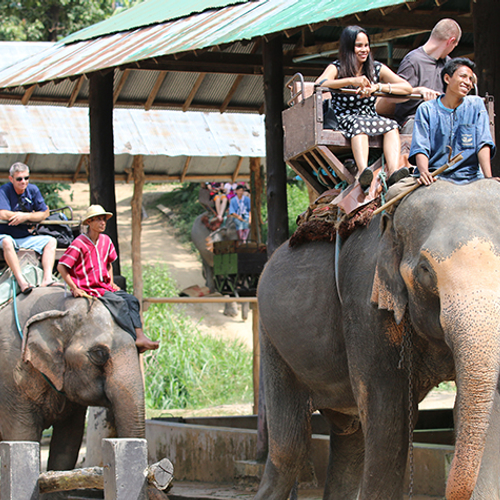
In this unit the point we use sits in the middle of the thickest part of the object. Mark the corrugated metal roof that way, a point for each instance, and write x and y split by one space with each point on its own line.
146 14
211 28
55 130
51 141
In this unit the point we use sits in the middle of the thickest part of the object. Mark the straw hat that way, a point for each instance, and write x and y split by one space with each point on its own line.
94 211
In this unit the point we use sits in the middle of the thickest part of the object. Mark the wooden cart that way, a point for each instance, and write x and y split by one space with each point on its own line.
237 267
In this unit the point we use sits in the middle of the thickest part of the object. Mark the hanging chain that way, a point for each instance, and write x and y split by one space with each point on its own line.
406 352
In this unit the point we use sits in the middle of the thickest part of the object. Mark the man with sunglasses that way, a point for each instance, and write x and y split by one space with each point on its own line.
20 203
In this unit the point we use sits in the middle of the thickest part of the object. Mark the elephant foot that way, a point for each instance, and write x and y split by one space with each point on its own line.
245 306
231 309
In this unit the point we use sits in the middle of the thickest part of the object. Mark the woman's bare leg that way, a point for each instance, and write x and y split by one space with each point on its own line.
392 150
360 151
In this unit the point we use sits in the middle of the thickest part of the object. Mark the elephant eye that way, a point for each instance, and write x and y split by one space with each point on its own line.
99 355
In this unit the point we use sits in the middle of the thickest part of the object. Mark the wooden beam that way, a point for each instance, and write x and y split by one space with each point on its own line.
185 169
131 104
102 158
27 95
237 170
136 203
231 92
195 88
377 38
76 89
277 212
155 90
83 158
119 177
121 84
236 84
224 62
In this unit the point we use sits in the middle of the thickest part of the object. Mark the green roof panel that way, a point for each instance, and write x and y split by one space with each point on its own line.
148 13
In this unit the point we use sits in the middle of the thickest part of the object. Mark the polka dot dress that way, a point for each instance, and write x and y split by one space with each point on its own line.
356 115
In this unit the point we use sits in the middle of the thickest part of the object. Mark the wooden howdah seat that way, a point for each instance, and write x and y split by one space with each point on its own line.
312 151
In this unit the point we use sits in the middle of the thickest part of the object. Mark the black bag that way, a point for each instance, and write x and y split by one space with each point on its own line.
61 232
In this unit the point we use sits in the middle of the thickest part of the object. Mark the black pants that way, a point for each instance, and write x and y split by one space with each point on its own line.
125 310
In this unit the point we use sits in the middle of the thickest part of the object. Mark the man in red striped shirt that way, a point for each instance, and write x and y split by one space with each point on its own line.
86 267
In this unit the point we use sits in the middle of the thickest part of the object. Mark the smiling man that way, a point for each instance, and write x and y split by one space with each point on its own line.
456 120
22 202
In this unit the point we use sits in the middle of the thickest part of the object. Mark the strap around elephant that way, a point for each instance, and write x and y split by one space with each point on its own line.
20 331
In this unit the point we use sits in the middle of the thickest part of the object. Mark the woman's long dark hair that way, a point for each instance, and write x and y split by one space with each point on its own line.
347 58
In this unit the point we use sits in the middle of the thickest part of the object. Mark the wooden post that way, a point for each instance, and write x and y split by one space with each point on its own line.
102 159
255 200
486 36
277 218
138 173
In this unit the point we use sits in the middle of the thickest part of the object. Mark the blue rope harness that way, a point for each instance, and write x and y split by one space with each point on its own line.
20 331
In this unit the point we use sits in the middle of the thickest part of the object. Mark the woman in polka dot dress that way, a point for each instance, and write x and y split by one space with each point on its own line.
355 114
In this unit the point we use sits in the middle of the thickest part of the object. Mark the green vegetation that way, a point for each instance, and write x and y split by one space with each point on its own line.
51 193
189 370
183 201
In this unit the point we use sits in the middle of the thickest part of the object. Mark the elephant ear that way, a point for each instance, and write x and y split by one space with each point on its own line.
43 345
389 290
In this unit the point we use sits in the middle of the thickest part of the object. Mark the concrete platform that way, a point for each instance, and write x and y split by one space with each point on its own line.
220 450
204 491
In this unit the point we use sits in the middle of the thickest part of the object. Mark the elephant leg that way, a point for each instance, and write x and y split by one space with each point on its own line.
245 306
345 467
208 274
289 426
488 482
66 440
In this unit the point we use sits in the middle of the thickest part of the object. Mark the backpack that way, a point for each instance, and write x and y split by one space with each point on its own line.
61 232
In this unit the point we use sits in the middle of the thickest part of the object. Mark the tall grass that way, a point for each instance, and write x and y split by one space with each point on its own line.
189 370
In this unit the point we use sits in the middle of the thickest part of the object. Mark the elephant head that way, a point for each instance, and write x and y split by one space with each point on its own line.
83 354
442 266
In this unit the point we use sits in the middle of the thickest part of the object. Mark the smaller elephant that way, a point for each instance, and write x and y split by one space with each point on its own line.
199 235
72 355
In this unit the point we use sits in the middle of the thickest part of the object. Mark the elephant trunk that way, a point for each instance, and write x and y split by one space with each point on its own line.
472 330
124 388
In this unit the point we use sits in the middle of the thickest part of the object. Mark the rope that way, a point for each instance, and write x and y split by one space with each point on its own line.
20 331
14 302
383 180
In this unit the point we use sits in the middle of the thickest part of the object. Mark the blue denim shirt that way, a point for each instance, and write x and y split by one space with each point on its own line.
466 129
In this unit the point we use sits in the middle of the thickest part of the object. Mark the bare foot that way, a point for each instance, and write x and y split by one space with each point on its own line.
144 344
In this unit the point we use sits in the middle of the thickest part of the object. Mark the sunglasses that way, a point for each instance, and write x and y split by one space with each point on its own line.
19 179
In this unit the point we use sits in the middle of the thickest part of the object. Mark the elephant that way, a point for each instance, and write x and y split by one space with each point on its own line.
421 285
199 235
72 355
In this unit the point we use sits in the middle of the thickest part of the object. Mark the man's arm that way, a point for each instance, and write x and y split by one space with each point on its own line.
16 218
483 156
423 168
64 272
112 283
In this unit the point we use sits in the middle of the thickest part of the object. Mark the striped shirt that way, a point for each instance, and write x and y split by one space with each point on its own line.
88 263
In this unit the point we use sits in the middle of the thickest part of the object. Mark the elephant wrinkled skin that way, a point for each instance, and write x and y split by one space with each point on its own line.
430 271
89 361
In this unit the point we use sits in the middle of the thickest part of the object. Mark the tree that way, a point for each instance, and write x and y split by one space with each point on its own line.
50 20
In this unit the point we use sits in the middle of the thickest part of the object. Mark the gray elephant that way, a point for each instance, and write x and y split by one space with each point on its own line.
72 355
199 235
428 277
